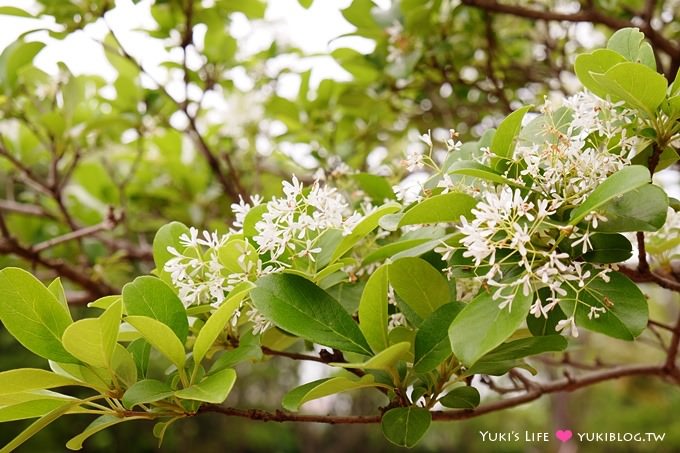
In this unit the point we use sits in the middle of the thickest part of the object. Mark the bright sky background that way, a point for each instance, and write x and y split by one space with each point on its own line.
312 30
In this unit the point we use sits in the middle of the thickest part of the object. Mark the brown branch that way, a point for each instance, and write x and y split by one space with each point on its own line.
650 277
9 245
670 365
643 265
293 355
588 14
112 219
23 208
567 384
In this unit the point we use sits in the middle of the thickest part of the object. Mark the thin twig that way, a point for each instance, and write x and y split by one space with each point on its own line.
112 219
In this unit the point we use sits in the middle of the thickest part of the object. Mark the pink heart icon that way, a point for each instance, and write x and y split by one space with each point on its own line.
563 435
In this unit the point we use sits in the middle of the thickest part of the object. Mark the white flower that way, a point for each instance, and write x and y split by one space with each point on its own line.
569 324
427 138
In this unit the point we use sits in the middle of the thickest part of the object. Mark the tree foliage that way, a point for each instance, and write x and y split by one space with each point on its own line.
516 237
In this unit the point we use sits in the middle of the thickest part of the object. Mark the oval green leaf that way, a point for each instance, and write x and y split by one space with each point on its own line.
298 306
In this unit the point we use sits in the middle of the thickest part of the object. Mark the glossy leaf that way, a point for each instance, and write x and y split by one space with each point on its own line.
405 426
432 344
642 209
419 284
503 143
384 360
638 86
93 340
623 181
461 398
146 391
599 62
323 387
151 297
481 326
447 207
99 424
218 320
373 310
167 236
626 312
214 388
509 355
298 306
161 337
33 315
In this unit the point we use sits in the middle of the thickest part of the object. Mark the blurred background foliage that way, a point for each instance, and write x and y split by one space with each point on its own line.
119 154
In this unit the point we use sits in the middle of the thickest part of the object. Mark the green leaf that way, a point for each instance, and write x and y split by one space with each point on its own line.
248 349
57 289
432 344
151 297
419 284
14 57
626 312
447 207
359 13
236 255
363 228
504 139
384 360
32 314
405 426
638 86
542 326
146 391
323 387
461 398
13 11
305 3
11 399
477 170
598 62
629 42
642 209
214 388
373 310
215 324
29 409
508 355
38 426
93 340
104 302
167 236
608 248
98 424
161 337
84 375
124 365
481 325
375 186
298 306
140 350
623 181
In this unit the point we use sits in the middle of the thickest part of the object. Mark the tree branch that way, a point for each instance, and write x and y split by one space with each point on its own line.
567 384
588 14
9 245
112 219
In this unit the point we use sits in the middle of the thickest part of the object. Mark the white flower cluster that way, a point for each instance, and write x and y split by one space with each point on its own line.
288 232
511 228
294 222
197 274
